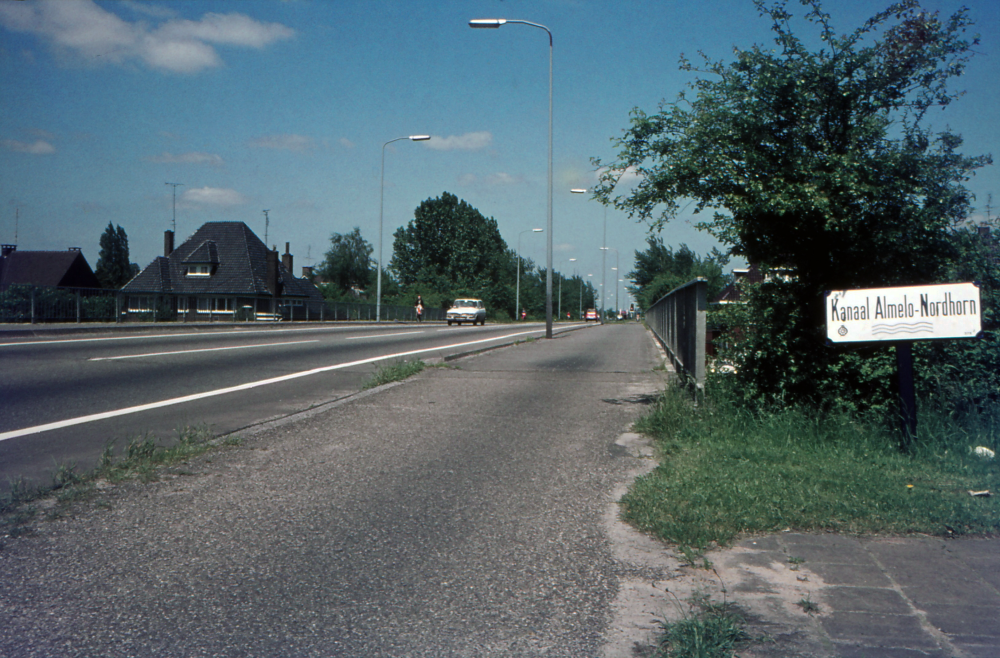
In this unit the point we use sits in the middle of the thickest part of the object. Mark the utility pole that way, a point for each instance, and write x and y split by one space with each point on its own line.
267 223
173 226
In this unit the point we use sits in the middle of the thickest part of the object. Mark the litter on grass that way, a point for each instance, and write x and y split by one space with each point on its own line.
984 452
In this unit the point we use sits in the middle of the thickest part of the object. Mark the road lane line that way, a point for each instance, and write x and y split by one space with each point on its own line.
405 333
170 335
205 349
70 422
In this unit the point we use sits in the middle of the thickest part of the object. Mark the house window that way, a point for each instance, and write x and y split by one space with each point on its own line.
182 304
216 304
138 304
199 270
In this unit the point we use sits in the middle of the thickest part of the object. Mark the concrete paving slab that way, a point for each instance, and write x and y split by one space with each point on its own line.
857 575
903 631
864 651
966 620
866 599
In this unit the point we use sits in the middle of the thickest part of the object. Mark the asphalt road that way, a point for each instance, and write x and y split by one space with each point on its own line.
458 513
53 386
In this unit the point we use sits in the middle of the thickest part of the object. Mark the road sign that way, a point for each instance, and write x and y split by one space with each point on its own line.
945 310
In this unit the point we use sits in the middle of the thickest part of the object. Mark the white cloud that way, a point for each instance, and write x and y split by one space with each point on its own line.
192 157
213 196
82 29
502 178
229 29
39 147
499 179
346 143
467 142
284 142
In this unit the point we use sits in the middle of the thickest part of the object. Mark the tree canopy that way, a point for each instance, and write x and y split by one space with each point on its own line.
348 262
659 269
817 160
113 268
450 246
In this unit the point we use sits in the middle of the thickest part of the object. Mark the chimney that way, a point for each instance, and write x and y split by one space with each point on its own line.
7 249
307 272
272 272
168 243
286 260
984 232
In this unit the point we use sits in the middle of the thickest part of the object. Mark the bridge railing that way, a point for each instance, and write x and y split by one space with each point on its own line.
678 321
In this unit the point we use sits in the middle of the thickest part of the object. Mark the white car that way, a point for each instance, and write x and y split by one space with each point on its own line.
467 310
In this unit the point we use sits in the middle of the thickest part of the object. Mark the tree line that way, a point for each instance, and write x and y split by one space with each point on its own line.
449 250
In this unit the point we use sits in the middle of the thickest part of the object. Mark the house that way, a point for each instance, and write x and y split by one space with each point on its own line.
66 269
222 272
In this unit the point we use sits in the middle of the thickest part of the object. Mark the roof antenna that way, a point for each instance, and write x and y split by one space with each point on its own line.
17 216
174 225
267 222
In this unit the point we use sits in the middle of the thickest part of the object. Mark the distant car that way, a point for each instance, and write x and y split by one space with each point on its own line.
467 310
590 314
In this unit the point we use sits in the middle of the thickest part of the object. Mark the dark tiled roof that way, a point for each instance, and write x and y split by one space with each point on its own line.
206 252
241 266
47 268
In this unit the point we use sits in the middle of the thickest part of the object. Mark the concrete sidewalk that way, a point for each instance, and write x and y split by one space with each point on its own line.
825 595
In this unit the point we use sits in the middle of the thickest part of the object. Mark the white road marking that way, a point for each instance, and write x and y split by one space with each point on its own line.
70 422
405 333
171 335
205 349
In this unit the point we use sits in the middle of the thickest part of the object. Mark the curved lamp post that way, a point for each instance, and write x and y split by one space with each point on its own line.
494 23
517 302
381 205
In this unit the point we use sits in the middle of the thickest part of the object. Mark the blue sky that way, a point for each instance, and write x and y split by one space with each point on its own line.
285 106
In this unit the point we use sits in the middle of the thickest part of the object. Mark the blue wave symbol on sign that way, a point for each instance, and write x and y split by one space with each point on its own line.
902 328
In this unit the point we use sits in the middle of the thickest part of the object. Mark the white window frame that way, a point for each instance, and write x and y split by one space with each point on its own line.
199 270
140 303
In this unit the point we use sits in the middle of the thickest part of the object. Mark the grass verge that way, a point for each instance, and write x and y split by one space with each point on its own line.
726 471
140 458
393 372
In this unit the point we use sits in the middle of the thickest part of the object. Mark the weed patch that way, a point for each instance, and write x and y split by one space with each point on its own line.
726 471
393 372
141 458
705 630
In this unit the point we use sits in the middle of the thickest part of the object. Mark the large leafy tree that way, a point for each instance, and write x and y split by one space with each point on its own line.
348 262
659 269
451 247
815 160
114 269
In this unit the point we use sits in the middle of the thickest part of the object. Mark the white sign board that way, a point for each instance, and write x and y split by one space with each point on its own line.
946 310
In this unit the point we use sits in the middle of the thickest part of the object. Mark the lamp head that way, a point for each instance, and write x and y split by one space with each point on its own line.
577 190
419 138
537 230
491 23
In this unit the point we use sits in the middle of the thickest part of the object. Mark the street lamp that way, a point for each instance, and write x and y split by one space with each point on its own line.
572 260
494 23
381 205
615 268
604 243
517 300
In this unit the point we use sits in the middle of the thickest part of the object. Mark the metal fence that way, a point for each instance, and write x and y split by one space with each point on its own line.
678 321
26 303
